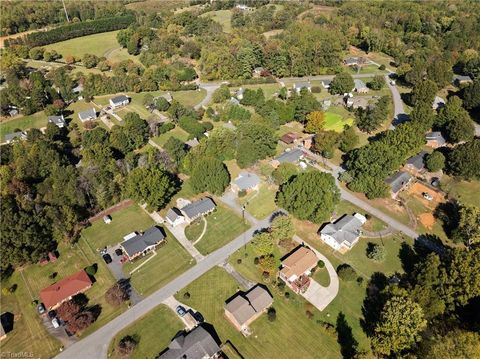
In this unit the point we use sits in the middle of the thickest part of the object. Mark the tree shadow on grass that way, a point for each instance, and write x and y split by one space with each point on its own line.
373 302
348 344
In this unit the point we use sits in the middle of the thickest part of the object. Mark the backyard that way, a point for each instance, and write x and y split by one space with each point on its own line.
151 341
223 225
37 120
260 203
178 132
336 122
222 17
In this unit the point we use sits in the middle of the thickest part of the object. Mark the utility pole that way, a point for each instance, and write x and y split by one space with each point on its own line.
65 9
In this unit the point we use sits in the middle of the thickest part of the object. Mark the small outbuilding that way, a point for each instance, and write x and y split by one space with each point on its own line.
174 217
107 219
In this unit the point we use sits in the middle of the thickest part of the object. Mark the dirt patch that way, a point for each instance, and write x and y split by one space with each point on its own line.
427 220
418 189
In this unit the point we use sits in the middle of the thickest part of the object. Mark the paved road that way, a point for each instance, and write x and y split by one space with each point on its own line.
96 344
399 114
210 88
322 77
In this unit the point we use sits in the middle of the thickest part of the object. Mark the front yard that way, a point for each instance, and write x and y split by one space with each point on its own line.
223 225
260 203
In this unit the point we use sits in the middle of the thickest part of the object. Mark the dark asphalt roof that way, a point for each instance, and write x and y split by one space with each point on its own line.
198 208
435 136
290 156
139 243
119 99
197 344
418 161
398 181
13 135
56 120
173 213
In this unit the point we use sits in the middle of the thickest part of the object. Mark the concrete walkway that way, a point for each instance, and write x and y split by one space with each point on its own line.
244 282
179 233
205 224
317 294
230 199
172 303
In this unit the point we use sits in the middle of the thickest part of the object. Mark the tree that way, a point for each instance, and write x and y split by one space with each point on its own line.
348 140
435 161
284 172
152 185
440 72
377 83
126 346
36 53
161 104
456 121
282 228
81 322
315 122
221 94
272 314
210 175
263 243
422 114
117 294
401 322
325 143
342 83
370 119
453 345
310 195
424 92
89 61
70 59
176 149
471 95
255 142
468 230
68 310
375 252
464 160
346 273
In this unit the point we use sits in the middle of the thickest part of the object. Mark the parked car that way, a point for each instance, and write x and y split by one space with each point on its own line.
181 311
41 308
52 314
107 258
118 252
55 323
435 182
198 317
103 251
427 196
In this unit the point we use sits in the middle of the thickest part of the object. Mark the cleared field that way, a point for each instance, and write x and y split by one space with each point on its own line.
170 261
37 120
222 17
223 225
151 340
284 338
177 132
336 122
189 98
268 89
124 221
464 191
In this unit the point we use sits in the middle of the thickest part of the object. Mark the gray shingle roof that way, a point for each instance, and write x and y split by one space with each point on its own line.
11 136
87 114
346 229
247 180
173 214
418 161
195 209
290 156
435 136
359 84
461 78
245 305
301 85
119 99
398 181
57 120
197 344
139 243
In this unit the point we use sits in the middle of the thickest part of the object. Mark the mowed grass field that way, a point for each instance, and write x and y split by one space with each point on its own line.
223 225
222 17
336 122
29 334
146 330
260 203
170 261
37 120
177 132
291 335
124 221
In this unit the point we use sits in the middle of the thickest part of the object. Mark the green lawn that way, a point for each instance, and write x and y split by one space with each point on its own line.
223 225
28 333
336 122
177 132
373 224
222 17
37 120
291 335
124 221
151 340
260 204
268 89
170 261
189 98
96 44
467 192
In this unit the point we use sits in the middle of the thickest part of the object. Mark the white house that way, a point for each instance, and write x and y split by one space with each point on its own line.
58 121
87 115
344 233
119 101
174 217
302 85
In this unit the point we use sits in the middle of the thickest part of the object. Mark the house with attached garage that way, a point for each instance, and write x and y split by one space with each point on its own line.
289 138
198 208
21 135
299 86
416 164
360 86
438 103
174 217
292 156
297 267
87 115
326 84
58 121
435 139
244 308
398 182
119 101
246 181
141 244
344 233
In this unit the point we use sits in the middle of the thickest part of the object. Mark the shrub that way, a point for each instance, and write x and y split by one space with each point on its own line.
375 252
321 264
165 127
287 295
208 126
126 346
239 261
281 284
381 67
256 261
186 295
309 314
91 270
316 89
272 314
346 272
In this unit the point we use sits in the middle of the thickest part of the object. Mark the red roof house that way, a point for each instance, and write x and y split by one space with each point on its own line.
289 138
65 289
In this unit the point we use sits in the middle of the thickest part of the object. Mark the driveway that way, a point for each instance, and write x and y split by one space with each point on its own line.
210 88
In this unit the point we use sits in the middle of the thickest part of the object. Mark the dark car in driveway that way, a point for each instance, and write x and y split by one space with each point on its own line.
118 251
52 314
41 308
181 311
107 258
198 317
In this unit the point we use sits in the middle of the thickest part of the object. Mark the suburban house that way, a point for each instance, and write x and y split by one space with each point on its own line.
234 101
65 289
416 164
351 61
291 156
302 85
244 308
196 344
326 104
356 102
398 182
258 71
326 84
244 7
461 79
9 137
192 143
289 138
435 139
118 101
87 115
168 97
239 93
58 121
438 103
343 233
174 217
360 86
246 181
143 243
296 269
198 208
